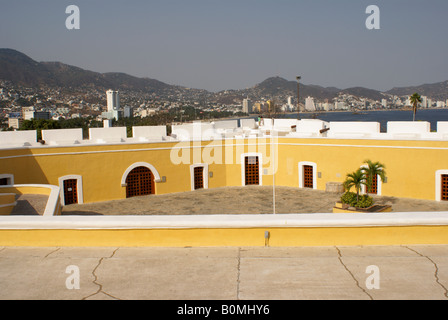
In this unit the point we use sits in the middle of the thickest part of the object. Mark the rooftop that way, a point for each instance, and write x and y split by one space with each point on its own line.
229 129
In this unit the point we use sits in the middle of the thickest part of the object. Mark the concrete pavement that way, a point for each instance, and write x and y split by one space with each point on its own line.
355 273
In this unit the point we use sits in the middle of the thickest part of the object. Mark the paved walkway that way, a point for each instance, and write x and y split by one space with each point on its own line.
397 272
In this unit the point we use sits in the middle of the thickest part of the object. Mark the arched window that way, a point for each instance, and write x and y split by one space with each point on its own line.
140 179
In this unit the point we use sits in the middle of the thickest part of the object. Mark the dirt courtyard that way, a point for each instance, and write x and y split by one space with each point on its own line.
239 200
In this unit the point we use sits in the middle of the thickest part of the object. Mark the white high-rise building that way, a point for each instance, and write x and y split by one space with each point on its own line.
291 106
309 104
113 100
247 106
424 102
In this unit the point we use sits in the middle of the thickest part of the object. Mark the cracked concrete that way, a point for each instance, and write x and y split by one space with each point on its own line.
405 272
351 274
100 286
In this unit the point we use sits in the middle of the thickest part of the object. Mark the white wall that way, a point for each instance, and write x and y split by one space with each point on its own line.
108 135
62 136
353 129
18 138
398 127
285 124
227 124
149 133
248 123
409 130
309 127
193 131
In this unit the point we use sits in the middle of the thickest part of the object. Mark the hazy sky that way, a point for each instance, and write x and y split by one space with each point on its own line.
234 44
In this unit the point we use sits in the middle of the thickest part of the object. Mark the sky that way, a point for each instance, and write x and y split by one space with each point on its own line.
234 44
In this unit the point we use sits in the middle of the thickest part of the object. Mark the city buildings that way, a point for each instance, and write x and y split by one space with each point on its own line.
113 106
309 104
247 106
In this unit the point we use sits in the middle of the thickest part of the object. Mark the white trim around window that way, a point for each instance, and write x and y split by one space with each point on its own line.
301 178
9 177
140 164
439 174
205 174
79 188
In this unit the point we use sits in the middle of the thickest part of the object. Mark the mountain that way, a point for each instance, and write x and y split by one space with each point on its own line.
277 86
436 91
22 70
364 93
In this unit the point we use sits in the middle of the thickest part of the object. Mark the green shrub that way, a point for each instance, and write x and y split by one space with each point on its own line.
350 198
364 201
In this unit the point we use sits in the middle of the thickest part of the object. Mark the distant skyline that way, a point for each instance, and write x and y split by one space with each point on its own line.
218 45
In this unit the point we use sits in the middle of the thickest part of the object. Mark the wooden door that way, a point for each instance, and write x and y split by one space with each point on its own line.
444 188
198 178
70 191
252 171
308 177
373 189
139 182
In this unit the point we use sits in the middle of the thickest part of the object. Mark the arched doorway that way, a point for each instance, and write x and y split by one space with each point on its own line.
140 182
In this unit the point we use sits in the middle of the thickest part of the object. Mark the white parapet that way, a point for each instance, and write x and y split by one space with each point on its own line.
14 139
408 129
353 130
309 128
108 135
249 124
285 124
325 220
226 124
149 133
194 131
62 136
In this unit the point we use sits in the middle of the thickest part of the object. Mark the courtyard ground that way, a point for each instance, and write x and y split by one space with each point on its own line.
239 200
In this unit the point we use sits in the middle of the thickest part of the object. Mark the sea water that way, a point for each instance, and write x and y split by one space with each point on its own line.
429 115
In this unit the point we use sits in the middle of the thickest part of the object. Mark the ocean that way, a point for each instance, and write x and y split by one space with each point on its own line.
430 115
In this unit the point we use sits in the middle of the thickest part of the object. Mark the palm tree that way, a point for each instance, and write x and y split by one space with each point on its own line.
355 179
372 170
415 100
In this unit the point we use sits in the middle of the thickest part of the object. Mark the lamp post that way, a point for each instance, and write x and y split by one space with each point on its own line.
298 97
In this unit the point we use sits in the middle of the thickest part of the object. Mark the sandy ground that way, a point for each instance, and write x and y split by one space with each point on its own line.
239 200
30 205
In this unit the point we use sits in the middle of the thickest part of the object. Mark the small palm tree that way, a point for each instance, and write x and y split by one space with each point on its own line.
372 170
415 100
355 179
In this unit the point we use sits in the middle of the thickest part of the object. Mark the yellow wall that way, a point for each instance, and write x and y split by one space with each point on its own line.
410 165
279 237
7 203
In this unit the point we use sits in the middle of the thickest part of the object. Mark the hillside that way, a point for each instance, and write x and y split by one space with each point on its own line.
20 69
436 91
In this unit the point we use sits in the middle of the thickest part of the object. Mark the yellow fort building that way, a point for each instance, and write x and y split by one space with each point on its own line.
109 165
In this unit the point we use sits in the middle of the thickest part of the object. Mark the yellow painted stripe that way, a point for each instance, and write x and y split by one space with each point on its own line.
230 237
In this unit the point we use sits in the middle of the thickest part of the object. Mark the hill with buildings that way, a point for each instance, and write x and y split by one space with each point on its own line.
19 69
436 91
